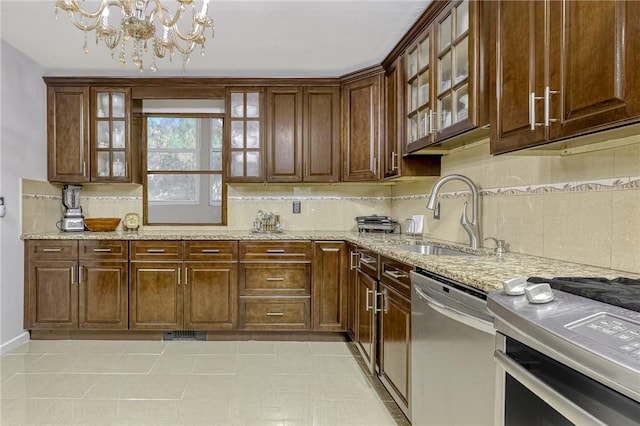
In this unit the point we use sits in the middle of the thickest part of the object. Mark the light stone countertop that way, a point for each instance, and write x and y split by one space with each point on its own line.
482 269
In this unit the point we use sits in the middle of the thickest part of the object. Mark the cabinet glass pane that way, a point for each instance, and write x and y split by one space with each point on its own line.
444 73
215 195
413 128
423 128
253 105
237 134
424 88
117 136
462 60
103 134
412 65
423 53
103 104
445 33
237 164
413 95
253 164
462 18
118 167
237 104
103 164
445 112
118 104
462 103
253 134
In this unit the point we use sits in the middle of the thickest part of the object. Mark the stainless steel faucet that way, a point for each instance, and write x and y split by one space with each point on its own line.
472 227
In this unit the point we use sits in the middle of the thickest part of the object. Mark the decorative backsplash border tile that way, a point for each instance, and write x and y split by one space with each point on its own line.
614 184
88 197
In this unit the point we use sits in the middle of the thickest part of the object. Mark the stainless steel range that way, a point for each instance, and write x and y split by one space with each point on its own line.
568 359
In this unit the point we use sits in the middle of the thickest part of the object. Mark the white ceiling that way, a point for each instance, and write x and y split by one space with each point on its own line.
259 38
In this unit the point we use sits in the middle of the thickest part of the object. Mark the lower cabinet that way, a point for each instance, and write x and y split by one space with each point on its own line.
275 285
329 286
167 293
73 285
366 318
352 276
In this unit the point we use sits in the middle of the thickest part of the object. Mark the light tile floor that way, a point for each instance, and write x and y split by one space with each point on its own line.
190 383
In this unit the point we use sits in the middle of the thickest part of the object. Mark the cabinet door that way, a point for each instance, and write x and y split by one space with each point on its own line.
244 133
519 75
391 147
284 134
329 286
361 124
320 139
68 134
366 320
103 298
594 57
155 296
210 296
53 295
395 343
352 289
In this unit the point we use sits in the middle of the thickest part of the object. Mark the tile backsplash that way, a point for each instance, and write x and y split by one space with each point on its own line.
581 208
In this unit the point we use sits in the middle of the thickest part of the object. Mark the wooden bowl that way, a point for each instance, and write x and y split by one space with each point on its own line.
102 224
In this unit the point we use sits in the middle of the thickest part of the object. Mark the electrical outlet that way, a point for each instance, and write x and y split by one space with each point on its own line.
296 207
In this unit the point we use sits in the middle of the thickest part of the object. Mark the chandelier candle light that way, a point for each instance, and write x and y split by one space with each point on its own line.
139 20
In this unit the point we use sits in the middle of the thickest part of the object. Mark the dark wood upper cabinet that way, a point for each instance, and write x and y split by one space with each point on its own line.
244 131
563 69
302 134
68 134
284 134
361 109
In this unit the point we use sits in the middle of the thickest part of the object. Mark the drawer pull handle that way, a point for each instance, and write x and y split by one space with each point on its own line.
330 249
275 314
397 274
51 250
155 250
102 250
275 279
275 251
367 260
210 251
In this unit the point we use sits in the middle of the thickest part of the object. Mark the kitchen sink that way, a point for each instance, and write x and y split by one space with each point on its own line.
432 250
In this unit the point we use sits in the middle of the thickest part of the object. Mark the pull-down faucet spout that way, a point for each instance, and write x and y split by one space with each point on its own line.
472 227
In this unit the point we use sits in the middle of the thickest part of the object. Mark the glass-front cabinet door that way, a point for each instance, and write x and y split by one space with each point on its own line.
452 81
245 139
419 105
110 135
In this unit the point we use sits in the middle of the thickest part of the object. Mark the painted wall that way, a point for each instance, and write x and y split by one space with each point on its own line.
23 154
582 208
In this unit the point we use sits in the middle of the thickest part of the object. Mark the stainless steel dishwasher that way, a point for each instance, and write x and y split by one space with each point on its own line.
452 345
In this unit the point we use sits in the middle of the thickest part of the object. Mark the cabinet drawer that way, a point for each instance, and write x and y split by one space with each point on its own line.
396 275
275 250
265 313
211 250
291 279
156 250
104 250
368 262
52 249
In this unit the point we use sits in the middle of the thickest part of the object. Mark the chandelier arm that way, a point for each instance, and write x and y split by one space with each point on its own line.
185 50
159 10
196 33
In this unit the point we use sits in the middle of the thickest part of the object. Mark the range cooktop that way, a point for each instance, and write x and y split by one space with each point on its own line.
622 292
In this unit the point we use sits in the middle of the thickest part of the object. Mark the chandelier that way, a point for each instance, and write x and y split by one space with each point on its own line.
139 20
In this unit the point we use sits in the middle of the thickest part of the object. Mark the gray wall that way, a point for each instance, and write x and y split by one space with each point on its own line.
23 154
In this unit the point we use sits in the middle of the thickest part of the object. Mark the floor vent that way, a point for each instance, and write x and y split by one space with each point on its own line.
184 335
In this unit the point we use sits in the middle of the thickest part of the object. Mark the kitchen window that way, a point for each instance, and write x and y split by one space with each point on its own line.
184 173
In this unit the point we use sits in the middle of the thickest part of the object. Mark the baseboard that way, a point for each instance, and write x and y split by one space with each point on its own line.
19 340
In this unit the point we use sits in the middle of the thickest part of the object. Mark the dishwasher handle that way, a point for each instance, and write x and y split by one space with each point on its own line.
556 400
454 314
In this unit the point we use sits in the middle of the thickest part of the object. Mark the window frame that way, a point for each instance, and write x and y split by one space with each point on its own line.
222 172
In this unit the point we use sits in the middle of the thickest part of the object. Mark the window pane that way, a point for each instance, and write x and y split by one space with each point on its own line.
215 196
216 133
169 161
216 161
172 188
172 133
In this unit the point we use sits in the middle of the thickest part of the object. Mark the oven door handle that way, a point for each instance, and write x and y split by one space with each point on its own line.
456 315
556 400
